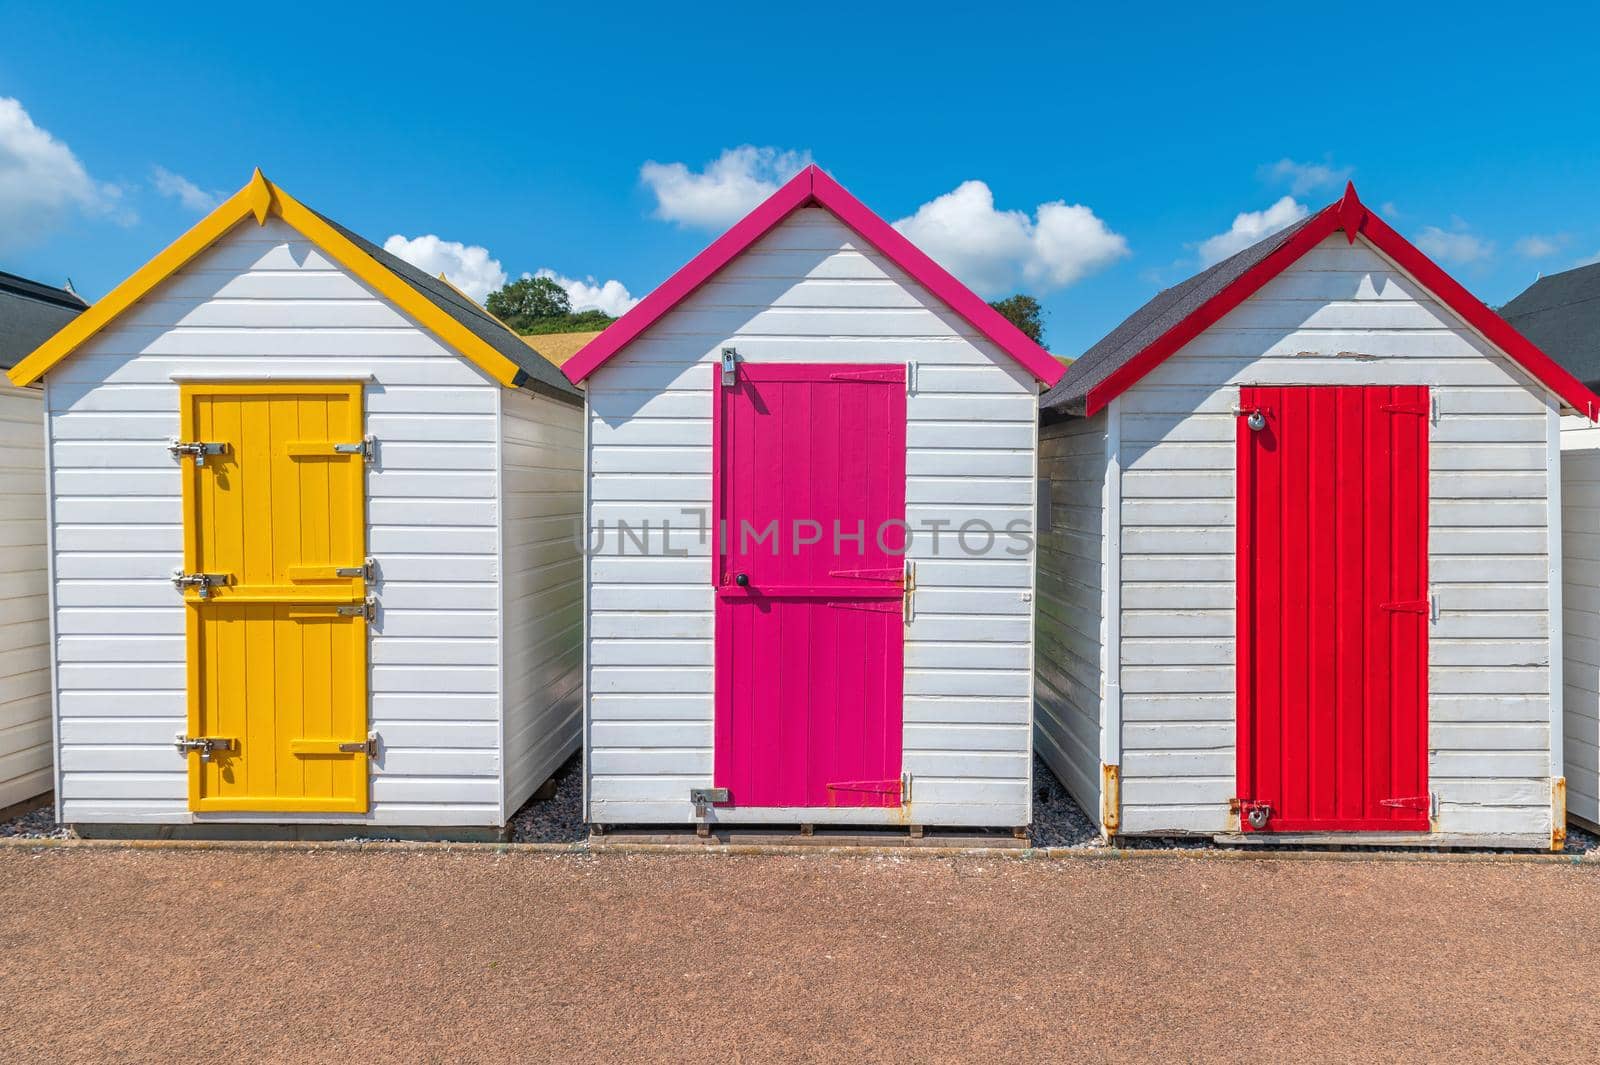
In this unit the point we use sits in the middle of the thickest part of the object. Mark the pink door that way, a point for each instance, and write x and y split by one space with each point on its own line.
810 495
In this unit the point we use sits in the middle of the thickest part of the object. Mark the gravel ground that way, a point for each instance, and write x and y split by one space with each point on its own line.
558 819
451 955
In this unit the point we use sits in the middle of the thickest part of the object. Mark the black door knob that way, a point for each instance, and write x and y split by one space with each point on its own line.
741 579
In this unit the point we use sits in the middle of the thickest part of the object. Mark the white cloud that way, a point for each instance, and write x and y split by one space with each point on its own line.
726 190
1305 177
473 270
1537 247
609 296
1454 246
469 267
42 182
177 187
1249 227
990 249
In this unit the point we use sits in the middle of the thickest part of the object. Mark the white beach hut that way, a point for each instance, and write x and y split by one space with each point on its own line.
1561 314
313 541
855 648
1301 580
29 314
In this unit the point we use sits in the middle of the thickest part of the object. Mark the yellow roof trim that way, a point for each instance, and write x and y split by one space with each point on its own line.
259 199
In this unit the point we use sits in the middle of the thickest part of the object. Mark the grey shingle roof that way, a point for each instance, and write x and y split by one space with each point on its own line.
1561 314
1149 323
538 373
30 314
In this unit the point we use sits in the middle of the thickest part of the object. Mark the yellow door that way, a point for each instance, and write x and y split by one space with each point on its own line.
275 587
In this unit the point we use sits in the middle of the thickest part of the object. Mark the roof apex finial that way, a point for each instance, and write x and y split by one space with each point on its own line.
1352 212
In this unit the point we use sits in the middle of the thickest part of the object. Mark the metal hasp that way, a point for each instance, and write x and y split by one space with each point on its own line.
368 746
204 744
202 583
197 449
730 371
367 449
1258 813
705 798
364 571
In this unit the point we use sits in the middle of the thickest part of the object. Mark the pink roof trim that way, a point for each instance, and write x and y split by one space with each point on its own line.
812 187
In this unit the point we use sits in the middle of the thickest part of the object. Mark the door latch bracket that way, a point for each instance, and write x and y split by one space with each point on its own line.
198 450
705 798
202 583
204 744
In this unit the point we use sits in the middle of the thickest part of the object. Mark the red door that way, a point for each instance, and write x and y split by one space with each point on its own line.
810 490
1333 609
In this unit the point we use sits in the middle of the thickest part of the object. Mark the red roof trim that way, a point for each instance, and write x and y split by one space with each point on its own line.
1352 216
812 186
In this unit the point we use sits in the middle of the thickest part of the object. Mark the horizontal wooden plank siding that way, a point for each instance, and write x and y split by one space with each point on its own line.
1580 562
811 291
1342 315
264 301
542 585
1069 656
25 732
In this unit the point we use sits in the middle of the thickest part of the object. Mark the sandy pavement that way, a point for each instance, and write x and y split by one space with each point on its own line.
439 955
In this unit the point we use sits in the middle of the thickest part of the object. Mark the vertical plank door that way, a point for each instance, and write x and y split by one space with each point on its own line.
1333 608
810 491
278 649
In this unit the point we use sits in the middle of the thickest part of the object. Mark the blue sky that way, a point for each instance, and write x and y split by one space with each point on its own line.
1114 144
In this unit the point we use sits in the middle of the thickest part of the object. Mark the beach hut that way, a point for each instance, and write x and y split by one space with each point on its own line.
1300 581
810 510
1561 314
314 541
29 314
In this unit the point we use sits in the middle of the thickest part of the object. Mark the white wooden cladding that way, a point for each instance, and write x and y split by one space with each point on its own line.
1070 657
25 734
461 623
1580 512
1342 315
810 291
541 588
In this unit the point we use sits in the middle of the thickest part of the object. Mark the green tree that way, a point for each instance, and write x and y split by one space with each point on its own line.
530 297
1024 312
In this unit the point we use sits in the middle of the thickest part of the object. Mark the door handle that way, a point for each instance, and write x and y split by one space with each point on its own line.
742 580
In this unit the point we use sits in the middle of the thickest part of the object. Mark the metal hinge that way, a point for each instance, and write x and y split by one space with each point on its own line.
204 744
1409 802
705 798
200 582
908 591
364 571
197 449
368 746
367 608
1428 606
367 449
